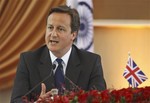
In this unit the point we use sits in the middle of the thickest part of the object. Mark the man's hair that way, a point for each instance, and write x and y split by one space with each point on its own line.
75 19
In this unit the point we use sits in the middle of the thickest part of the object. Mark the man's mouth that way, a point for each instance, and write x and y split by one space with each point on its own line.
53 41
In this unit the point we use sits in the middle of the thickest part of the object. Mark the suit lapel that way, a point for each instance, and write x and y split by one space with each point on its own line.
73 69
45 69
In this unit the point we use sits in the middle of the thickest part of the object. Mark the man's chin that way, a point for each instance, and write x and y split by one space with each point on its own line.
53 49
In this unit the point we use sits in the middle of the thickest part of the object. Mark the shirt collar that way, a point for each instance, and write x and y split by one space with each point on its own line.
65 58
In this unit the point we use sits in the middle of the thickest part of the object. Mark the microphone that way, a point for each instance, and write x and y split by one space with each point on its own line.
70 81
53 68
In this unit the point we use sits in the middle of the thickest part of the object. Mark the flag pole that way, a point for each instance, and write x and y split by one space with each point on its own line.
129 54
128 58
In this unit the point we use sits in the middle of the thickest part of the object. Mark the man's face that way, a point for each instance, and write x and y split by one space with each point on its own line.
58 36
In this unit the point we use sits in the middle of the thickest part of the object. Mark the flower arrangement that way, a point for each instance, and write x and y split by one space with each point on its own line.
125 95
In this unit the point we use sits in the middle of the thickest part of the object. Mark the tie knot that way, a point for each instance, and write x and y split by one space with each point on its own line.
59 61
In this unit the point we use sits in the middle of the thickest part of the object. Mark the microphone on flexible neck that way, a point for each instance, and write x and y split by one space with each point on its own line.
53 68
70 81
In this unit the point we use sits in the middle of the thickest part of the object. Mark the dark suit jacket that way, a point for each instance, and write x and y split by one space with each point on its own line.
84 69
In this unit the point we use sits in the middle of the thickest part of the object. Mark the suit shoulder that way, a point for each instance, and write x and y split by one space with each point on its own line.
86 54
35 52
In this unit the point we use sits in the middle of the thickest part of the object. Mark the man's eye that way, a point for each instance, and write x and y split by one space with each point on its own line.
61 29
50 27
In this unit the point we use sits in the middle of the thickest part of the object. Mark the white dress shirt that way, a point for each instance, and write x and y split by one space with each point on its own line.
65 59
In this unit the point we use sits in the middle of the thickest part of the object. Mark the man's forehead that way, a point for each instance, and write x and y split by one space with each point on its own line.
59 19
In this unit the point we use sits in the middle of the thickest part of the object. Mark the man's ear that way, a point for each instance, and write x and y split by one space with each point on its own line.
74 35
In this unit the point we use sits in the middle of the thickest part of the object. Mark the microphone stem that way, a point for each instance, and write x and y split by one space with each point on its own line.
41 81
69 79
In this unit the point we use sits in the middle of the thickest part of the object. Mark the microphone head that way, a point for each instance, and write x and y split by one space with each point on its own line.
53 66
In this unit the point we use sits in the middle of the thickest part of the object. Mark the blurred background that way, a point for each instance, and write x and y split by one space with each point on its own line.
119 27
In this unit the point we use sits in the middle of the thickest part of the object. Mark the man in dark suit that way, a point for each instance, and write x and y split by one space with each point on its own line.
81 69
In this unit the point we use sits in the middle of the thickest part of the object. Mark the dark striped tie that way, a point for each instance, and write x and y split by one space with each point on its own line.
59 76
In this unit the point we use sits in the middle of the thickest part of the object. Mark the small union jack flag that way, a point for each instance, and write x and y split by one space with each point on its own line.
133 74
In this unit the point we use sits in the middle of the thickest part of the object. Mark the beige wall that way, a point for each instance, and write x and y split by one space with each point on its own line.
114 43
121 9
5 96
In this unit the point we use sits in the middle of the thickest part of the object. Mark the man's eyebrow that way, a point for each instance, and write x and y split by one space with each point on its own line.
61 26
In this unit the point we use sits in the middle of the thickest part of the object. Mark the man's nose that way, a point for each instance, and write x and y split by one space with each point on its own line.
54 33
